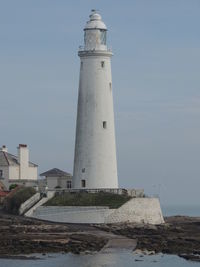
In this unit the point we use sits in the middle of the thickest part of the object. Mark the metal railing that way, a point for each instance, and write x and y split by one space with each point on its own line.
118 191
82 48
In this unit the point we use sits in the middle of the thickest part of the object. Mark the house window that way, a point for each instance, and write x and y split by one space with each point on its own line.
1 173
102 64
83 183
104 124
69 184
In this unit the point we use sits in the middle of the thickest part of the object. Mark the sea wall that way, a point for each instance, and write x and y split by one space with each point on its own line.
138 210
72 214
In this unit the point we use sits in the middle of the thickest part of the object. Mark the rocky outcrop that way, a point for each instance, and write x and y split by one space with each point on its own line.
180 235
20 235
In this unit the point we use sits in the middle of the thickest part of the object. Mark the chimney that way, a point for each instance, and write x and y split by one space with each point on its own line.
4 148
23 159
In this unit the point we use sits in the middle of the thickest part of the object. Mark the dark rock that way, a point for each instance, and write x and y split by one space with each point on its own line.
190 257
25 235
180 235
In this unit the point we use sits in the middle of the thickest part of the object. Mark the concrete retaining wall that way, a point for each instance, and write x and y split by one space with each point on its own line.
138 210
72 214
29 203
30 212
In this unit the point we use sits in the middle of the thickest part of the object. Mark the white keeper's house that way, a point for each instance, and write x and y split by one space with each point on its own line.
56 178
17 169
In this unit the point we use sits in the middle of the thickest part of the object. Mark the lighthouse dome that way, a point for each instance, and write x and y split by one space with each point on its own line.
95 22
95 33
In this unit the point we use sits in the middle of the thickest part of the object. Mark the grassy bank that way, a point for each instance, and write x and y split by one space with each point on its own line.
112 201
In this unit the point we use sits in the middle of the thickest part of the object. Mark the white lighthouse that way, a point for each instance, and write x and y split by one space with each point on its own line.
95 164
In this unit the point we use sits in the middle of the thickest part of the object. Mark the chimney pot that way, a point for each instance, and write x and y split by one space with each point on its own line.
22 145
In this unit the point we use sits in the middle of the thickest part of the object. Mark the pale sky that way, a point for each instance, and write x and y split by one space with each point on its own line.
156 86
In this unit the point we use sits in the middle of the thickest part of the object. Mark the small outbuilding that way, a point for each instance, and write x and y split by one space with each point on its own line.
56 178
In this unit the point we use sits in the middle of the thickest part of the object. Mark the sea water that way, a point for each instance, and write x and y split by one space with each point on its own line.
181 210
115 258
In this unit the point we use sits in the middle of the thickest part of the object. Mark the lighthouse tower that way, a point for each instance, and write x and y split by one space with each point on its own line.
95 164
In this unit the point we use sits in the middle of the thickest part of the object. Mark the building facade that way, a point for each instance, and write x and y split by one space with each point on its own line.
56 178
95 164
17 169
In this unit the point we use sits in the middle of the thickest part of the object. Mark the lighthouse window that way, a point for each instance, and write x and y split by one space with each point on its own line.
104 124
83 183
110 85
103 37
102 64
81 65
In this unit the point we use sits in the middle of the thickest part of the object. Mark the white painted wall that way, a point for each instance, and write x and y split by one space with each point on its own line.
52 182
32 173
32 210
95 149
63 181
72 214
29 203
14 172
23 171
23 157
5 170
137 210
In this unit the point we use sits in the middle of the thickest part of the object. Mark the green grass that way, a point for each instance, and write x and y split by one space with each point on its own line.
112 201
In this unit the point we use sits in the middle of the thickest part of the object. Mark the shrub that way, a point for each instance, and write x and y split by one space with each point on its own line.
13 201
12 186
